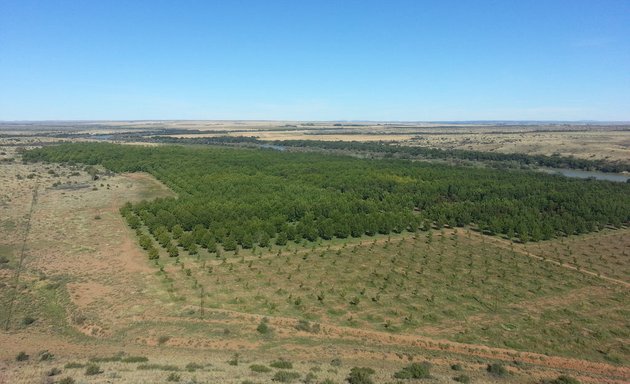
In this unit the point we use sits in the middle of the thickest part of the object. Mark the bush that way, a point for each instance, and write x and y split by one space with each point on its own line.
191 367
497 369
66 380
92 369
306 326
163 339
360 376
457 367
161 367
309 378
336 362
45 356
106 359
53 372
173 377
135 359
282 364
285 376
234 359
563 380
28 320
73 365
263 327
462 379
414 371
22 356
259 368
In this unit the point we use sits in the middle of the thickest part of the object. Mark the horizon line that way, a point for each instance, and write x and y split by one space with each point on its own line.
581 121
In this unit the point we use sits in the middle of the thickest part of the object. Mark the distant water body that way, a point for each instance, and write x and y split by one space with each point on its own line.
618 177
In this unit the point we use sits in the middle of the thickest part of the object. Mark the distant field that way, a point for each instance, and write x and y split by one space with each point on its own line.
606 253
610 142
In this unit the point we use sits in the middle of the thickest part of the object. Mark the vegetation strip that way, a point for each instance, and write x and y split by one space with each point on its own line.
18 270
503 160
241 198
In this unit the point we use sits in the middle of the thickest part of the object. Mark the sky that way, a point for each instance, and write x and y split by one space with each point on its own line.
388 60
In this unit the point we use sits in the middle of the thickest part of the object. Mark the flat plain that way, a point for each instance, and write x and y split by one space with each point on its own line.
76 283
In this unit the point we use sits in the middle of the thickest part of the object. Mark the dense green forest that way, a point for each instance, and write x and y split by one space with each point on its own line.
245 197
501 160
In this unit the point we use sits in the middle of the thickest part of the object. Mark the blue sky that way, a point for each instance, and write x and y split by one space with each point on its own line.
315 60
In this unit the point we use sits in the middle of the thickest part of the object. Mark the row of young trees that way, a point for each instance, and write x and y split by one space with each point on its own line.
245 197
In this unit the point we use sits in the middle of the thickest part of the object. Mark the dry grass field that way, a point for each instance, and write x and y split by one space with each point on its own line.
449 285
595 141
74 282
609 145
605 253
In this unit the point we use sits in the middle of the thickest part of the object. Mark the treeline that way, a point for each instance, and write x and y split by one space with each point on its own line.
232 197
215 140
402 151
413 152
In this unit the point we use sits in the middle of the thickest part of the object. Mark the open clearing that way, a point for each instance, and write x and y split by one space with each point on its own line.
328 306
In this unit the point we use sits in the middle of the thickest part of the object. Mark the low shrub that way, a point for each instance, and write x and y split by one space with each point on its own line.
134 359
263 328
414 371
22 356
497 369
174 377
282 364
163 339
462 379
45 356
53 372
306 326
92 369
73 365
66 380
106 359
28 320
285 376
259 368
191 367
310 378
160 367
234 359
563 379
360 375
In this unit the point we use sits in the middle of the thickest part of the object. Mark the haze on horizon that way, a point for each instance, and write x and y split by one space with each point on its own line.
324 60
